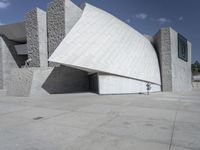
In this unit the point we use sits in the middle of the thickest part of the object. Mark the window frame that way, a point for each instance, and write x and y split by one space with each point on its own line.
182 46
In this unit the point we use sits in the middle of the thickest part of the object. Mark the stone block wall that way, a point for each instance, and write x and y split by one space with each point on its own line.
61 17
20 81
36 29
175 73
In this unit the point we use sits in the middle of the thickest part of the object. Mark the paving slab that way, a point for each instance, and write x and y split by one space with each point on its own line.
85 121
104 141
139 128
187 135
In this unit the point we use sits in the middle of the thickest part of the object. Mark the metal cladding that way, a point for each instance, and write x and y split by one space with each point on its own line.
99 42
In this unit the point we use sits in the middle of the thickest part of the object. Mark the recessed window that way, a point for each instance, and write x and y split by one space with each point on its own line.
182 48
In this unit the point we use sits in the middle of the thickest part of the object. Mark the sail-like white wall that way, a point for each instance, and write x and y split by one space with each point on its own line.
99 42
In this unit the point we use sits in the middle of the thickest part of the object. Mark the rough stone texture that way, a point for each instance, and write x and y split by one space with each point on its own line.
175 73
20 81
61 17
162 43
8 60
36 29
110 84
47 80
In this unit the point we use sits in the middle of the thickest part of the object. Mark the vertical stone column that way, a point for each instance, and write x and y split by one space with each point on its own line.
61 17
36 29
163 46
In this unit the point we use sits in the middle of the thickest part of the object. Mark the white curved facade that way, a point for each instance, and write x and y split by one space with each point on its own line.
99 42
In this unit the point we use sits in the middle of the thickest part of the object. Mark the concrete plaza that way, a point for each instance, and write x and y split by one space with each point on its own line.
161 121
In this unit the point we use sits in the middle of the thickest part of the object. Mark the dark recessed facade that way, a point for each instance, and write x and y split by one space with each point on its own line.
182 48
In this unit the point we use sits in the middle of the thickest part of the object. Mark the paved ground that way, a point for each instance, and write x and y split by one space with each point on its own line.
161 121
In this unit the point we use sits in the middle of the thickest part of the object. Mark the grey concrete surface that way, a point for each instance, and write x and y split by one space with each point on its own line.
20 81
161 121
175 72
40 81
8 60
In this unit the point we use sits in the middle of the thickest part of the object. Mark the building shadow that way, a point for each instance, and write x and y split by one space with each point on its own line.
64 80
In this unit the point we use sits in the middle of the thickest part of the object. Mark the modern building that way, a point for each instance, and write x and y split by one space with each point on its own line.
79 49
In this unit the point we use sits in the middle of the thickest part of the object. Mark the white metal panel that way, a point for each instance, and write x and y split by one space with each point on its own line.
102 43
109 84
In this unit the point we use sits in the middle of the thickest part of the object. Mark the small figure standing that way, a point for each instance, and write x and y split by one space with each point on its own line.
27 62
148 87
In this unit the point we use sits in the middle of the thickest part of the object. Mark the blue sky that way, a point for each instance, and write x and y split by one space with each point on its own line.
147 16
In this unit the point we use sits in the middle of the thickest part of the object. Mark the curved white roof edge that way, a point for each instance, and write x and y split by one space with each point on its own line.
102 43
15 31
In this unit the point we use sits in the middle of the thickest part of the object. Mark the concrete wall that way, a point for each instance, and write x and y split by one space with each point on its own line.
8 60
20 81
110 84
66 80
61 17
47 80
196 85
36 29
175 73
181 70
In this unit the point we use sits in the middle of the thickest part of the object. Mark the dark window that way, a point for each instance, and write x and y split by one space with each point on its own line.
182 48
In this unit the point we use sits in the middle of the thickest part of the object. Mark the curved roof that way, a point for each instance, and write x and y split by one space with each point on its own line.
15 31
99 42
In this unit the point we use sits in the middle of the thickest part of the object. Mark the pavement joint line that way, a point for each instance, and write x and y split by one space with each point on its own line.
174 125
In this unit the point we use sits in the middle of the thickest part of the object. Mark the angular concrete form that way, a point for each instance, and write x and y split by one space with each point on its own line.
175 72
89 50
8 60
36 30
99 42
46 80
61 17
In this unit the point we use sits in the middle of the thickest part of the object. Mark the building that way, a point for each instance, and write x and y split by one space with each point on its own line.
78 49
